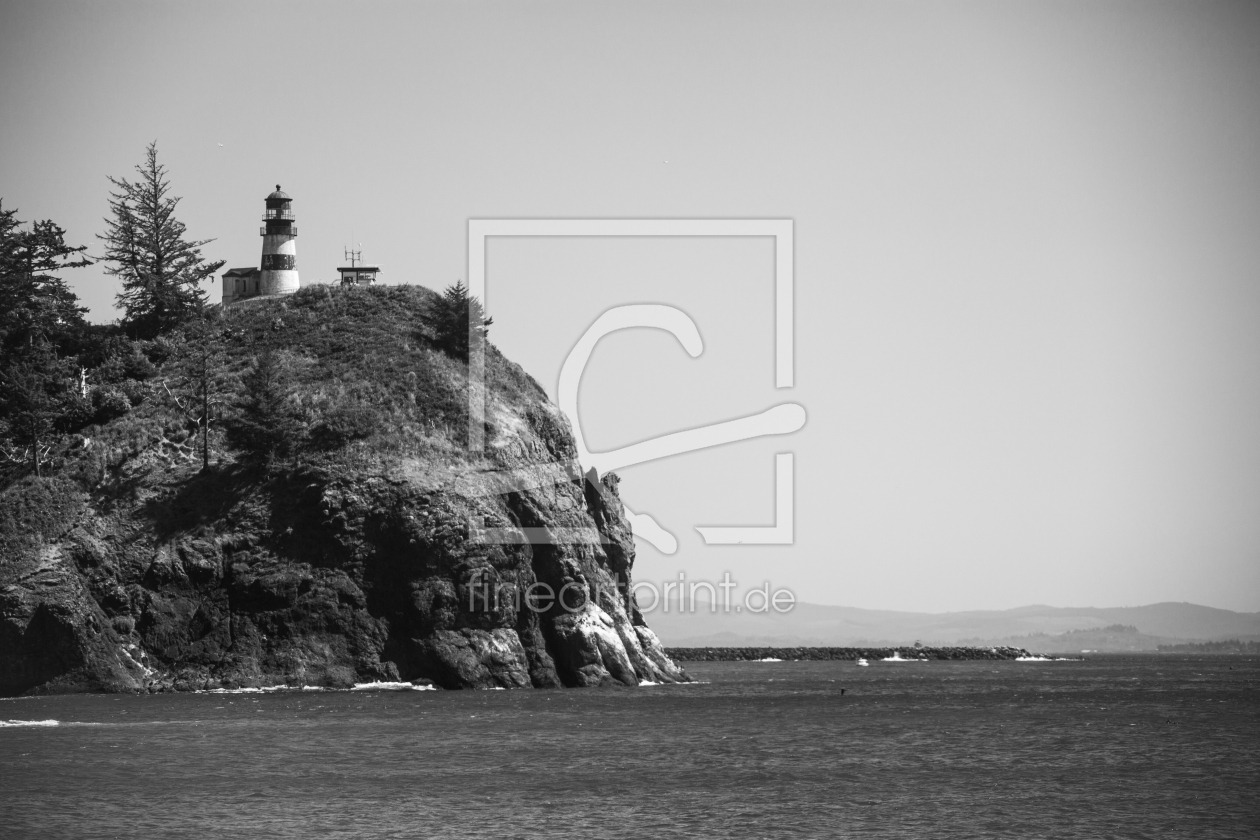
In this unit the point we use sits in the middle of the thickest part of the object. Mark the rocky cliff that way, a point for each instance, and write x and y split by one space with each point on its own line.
390 554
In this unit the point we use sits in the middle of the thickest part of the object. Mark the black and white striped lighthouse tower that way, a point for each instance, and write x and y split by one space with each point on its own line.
279 254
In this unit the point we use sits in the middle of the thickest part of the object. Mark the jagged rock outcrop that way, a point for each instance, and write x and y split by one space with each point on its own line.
326 580
504 571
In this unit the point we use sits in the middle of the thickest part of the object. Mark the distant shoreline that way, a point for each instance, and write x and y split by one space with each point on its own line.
753 654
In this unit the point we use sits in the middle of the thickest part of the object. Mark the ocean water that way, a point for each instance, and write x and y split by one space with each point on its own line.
1106 747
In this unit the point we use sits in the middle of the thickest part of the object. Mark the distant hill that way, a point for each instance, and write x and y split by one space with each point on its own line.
1114 638
1040 628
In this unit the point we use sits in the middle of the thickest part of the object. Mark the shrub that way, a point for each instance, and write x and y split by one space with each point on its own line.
76 412
109 403
36 510
341 425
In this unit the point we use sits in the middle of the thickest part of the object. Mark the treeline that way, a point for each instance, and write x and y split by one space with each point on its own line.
60 374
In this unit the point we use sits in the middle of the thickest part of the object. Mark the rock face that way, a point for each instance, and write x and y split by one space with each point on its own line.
323 580
508 571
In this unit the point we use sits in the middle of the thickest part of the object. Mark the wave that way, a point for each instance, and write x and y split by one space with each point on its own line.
769 659
391 686
1035 658
271 689
30 723
266 689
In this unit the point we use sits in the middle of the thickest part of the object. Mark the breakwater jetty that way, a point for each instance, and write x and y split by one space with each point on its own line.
753 654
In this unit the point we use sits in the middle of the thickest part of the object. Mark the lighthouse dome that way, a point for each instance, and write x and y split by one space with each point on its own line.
278 194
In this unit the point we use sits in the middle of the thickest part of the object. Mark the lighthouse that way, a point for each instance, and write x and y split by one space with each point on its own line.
278 275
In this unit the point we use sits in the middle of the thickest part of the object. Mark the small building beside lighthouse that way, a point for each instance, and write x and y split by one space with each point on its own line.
358 273
240 283
278 274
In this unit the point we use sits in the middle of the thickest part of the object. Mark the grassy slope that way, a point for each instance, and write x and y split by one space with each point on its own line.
366 351
372 348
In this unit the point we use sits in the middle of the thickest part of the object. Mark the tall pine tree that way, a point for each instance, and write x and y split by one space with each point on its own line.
267 423
198 382
38 315
35 303
160 270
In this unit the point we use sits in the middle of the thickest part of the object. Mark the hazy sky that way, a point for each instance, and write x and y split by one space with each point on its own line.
1028 248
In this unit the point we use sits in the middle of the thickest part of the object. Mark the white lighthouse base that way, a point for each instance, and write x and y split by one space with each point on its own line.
278 282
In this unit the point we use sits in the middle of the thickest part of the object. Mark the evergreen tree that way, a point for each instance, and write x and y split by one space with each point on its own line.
34 387
267 424
35 303
160 270
199 380
459 318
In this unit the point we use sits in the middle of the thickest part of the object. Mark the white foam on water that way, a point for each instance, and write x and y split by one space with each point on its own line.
1033 659
769 659
268 689
30 723
648 682
896 657
271 689
392 686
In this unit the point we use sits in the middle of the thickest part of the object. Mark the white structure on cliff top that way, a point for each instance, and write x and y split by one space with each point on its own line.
278 274
357 273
